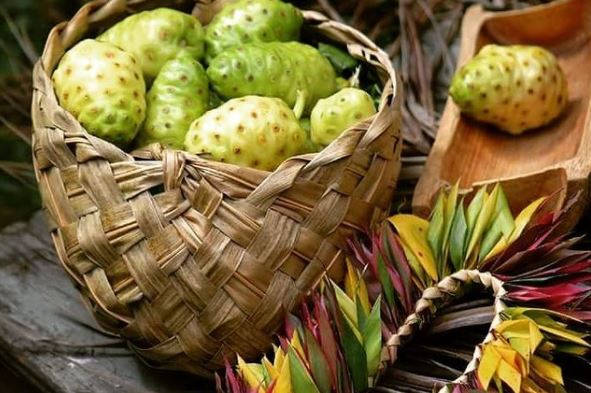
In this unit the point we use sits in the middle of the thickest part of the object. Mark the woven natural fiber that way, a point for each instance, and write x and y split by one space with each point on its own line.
192 260
437 296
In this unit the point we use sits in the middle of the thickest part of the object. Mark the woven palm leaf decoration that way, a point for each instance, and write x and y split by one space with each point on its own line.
343 337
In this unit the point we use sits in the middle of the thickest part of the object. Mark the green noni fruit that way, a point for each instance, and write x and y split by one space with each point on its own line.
516 88
179 95
156 36
258 132
103 87
333 115
247 21
273 69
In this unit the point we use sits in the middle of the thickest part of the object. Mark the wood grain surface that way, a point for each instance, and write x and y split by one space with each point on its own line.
473 152
49 338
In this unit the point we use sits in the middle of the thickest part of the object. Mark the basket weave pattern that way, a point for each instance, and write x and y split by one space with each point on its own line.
192 260
434 298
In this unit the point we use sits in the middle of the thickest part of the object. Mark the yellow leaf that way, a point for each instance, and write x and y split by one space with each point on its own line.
297 345
509 355
488 365
565 335
514 328
364 295
524 329
279 358
483 220
521 345
510 375
535 336
271 370
523 218
546 369
413 232
355 287
251 374
351 280
498 248
283 384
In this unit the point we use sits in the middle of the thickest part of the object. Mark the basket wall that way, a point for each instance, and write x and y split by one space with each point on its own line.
192 260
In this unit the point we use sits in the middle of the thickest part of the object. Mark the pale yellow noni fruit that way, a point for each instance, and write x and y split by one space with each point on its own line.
516 88
253 131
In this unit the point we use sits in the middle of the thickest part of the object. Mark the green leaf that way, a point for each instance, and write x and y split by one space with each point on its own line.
458 235
483 220
372 338
355 356
572 349
361 314
301 381
340 59
436 225
501 227
450 211
491 238
474 209
346 305
387 286
318 366
504 217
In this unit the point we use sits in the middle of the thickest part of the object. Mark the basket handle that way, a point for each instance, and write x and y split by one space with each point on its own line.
434 297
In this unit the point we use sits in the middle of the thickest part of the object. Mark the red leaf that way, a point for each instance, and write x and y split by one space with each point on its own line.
326 338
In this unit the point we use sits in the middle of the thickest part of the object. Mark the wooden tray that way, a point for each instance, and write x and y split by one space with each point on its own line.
475 153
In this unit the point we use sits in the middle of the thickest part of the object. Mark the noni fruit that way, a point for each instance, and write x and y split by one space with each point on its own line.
179 95
273 69
516 88
103 87
258 132
247 21
156 36
333 115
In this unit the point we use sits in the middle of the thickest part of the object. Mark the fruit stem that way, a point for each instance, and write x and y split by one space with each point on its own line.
300 104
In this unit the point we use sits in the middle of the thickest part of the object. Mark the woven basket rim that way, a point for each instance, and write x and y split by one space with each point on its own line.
155 151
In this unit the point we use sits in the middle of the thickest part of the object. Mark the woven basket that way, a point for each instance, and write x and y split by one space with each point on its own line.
191 260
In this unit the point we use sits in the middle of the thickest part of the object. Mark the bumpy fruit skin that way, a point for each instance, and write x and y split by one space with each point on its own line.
333 115
247 21
178 96
102 86
516 88
273 69
257 132
156 36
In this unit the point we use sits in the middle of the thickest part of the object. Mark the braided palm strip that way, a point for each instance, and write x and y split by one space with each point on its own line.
436 297
191 260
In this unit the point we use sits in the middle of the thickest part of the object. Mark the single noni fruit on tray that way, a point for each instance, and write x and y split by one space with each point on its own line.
516 88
